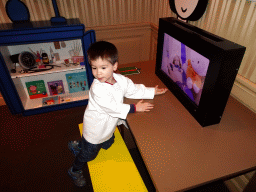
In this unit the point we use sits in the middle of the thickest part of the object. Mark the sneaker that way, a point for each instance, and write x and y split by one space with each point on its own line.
73 147
77 177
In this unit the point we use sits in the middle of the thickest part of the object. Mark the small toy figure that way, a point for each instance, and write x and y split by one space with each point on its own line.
54 89
32 89
196 72
38 55
60 89
49 102
175 70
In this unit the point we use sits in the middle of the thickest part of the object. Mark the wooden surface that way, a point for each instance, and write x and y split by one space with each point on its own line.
178 152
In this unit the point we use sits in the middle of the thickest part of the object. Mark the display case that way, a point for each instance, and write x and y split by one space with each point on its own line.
44 66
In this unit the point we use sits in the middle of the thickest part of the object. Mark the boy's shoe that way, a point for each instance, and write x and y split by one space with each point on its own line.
73 147
77 177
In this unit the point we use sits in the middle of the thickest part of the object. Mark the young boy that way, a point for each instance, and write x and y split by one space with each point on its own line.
105 107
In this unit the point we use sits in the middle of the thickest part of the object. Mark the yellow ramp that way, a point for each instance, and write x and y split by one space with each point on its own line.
114 169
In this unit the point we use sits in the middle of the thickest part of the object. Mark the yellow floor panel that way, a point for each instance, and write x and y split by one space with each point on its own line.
114 169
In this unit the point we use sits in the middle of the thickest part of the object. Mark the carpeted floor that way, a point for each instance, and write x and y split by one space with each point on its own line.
35 157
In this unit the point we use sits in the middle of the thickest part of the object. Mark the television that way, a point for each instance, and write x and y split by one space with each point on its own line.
198 67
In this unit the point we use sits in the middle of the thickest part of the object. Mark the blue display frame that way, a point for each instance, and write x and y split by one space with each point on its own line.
39 32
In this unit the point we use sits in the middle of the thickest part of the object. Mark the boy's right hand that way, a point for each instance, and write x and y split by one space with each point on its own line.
142 107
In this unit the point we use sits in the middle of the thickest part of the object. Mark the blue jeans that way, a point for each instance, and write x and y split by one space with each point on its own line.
89 151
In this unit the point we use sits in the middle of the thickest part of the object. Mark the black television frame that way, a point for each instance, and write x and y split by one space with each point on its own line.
225 59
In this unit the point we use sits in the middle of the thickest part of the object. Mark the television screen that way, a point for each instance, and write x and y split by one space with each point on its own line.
186 67
198 67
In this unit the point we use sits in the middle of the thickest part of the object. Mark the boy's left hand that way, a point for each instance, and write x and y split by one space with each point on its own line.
160 91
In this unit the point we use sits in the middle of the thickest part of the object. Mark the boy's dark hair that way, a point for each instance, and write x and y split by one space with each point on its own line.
103 50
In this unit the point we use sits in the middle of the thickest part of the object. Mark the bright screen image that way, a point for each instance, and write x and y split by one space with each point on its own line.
185 67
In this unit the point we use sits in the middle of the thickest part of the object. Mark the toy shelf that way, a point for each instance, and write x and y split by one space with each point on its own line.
71 90
65 84
59 68
38 103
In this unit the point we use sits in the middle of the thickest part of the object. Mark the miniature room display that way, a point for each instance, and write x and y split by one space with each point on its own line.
49 69
46 56
35 57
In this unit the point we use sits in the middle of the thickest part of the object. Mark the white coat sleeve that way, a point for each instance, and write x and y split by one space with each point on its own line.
138 91
105 100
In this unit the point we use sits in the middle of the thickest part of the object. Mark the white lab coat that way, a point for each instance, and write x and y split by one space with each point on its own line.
105 106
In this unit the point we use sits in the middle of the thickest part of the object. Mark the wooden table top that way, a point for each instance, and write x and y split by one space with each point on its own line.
180 154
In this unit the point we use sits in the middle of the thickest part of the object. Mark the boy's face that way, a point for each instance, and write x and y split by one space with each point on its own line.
103 70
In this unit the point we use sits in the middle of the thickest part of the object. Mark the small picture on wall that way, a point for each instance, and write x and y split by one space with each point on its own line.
56 87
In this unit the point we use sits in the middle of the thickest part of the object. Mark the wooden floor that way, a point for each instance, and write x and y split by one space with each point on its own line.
35 157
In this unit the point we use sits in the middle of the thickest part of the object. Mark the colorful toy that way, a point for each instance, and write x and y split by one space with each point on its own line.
175 70
50 102
196 72
32 89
